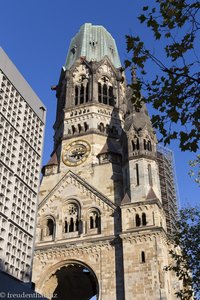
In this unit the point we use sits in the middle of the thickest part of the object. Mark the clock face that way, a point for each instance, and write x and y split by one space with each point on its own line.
76 153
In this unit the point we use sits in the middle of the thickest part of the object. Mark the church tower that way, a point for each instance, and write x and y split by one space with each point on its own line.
101 228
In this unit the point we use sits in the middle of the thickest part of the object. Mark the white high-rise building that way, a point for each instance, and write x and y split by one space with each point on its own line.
22 122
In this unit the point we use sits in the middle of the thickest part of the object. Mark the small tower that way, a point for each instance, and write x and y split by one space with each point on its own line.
101 225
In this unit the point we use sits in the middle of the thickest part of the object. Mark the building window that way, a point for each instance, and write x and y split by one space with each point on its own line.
99 92
149 146
145 144
86 126
137 174
144 221
111 96
82 90
105 93
143 259
94 220
50 226
72 218
138 144
135 144
101 127
137 220
150 175
81 93
76 95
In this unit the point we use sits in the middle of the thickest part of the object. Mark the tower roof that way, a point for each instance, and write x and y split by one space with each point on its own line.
92 42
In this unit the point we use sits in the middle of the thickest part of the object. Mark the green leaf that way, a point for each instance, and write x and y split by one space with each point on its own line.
142 18
145 8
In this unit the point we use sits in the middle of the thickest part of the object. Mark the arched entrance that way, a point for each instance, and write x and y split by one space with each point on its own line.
75 281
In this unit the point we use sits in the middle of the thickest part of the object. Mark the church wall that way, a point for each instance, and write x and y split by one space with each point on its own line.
141 215
101 207
140 183
99 257
145 277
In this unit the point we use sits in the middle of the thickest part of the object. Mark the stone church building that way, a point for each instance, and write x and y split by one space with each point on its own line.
107 198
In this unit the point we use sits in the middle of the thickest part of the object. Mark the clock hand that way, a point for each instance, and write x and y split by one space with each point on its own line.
77 153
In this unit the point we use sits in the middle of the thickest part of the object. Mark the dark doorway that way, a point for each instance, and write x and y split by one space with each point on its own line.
75 282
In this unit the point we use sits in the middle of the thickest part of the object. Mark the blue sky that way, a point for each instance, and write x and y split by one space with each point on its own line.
36 34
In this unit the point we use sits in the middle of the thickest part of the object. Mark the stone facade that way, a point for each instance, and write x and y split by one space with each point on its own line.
101 225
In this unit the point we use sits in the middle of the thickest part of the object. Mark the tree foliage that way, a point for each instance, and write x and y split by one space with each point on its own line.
195 169
174 91
186 253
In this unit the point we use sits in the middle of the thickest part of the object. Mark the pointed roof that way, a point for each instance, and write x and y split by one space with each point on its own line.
126 199
140 119
92 42
53 160
151 195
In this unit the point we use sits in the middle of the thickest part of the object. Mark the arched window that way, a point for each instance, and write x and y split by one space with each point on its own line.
145 144
137 220
149 146
86 126
91 222
105 94
94 220
133 146
101 127
71 225
111 96
48 230
143 259
144 221
73 129
50 227
76 95
72 218
87 93
82 94
79 128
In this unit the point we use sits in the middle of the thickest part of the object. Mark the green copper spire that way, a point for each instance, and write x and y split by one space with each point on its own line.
93 42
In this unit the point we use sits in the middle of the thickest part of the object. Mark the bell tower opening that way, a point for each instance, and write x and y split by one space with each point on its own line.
75 281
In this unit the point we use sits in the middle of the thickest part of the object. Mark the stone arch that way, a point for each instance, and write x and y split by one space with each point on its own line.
72 216
48 227
81 84
94 220
101 127
87 286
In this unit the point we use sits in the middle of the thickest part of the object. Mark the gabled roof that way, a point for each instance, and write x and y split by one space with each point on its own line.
85 186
